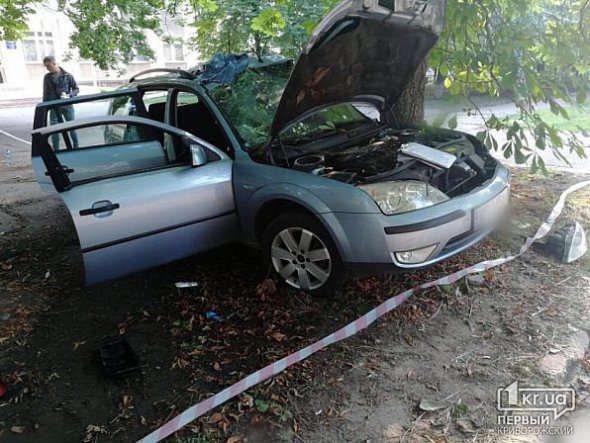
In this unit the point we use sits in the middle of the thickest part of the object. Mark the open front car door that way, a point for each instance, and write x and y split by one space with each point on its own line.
141 193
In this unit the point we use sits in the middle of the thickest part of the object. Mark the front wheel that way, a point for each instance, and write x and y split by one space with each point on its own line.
303 254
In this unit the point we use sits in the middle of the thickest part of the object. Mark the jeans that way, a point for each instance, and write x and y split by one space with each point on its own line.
61 115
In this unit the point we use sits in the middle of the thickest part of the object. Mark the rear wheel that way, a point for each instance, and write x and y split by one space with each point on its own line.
303 254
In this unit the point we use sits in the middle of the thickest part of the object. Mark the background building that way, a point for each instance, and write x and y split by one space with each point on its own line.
21 62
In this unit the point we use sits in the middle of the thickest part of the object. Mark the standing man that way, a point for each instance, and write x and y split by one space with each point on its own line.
58 85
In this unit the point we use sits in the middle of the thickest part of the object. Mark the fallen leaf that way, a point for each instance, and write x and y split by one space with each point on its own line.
77 344
266 289
127 399
217 366
18 429
216 418
236 439
409 340
277 336
428 406
319 75
300 96
246 400
466 426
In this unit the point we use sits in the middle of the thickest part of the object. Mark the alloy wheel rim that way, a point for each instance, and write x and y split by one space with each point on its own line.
301 258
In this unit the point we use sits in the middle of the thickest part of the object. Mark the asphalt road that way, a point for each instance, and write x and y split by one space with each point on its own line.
17 122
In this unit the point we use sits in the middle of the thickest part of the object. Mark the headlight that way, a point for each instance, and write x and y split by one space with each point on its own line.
404 196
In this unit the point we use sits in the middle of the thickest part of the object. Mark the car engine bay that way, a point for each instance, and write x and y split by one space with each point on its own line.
387 157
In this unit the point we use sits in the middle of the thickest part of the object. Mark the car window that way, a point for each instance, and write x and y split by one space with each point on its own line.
124 105
98 136
122 149
335 119
121 105
155 104
192 115
251 102
186 98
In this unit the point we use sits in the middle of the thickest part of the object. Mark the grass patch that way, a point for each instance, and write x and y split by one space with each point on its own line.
579 119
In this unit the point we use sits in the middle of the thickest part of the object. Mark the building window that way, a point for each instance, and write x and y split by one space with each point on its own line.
30 48
173 52
178 52
37 46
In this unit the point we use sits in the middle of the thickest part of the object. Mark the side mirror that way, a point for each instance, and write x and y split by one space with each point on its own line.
198 156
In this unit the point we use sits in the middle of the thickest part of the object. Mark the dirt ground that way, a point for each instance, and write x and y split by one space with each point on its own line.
428 372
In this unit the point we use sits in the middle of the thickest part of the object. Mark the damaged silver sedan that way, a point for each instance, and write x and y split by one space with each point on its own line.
305 160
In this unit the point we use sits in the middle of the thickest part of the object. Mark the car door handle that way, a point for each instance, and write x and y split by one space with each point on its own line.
96 209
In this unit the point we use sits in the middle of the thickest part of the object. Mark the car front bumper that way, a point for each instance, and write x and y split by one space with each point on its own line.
373 241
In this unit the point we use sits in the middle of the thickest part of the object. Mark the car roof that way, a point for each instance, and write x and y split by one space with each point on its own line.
165 79
190 77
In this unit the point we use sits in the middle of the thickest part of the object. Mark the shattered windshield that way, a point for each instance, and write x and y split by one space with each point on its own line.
251 102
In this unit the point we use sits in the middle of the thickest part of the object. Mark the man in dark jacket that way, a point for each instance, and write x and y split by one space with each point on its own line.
58 85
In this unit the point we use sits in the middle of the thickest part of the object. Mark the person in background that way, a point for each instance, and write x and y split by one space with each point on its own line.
58 84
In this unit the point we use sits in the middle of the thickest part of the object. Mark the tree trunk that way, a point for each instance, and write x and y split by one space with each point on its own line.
409 108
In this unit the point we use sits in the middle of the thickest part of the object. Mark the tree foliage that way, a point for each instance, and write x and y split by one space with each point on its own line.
111 31
533 52
13 17
257 26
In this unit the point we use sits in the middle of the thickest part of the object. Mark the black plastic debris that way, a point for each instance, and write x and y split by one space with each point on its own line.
116 357
568 243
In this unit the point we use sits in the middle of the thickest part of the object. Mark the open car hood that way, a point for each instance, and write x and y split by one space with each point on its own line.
361 48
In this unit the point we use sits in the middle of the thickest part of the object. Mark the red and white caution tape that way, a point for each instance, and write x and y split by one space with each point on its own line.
349 330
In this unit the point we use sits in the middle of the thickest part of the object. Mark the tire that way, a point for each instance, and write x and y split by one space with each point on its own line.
301 251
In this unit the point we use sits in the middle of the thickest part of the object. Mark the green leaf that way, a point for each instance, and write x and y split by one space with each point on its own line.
439 120
261 405
581 96
269 22
453 122
309 26
448 83
542 166
535 165
519 157
446 288
507 150
460 409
